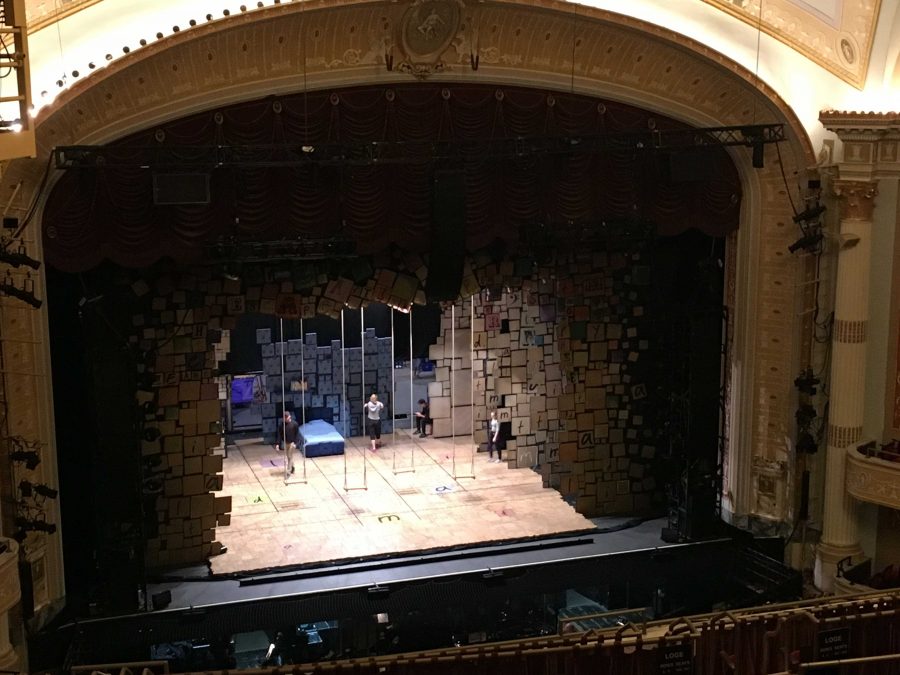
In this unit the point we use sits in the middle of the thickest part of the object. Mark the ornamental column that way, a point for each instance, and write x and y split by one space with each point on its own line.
848 376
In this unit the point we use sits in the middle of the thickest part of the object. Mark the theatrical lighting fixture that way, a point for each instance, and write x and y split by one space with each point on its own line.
25 296
808 242
811 213
807 444
35 525
29 457
759 156
28 489
18 258
805 415
806 382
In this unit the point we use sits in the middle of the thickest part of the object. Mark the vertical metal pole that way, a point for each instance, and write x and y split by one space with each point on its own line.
472 373
412 446
229 413
452 388
303 390
345 408
393 399
287 457
362 354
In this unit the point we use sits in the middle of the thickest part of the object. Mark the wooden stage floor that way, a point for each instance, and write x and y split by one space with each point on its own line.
276 525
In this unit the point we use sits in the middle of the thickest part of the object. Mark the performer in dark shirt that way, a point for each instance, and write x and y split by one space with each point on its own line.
288 432
423 417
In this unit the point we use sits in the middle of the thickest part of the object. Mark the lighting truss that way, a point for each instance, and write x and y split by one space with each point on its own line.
234 250
174 158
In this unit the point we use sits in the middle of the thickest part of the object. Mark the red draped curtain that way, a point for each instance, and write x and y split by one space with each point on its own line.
100 212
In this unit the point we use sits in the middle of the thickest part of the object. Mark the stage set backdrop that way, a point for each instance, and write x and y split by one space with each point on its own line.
585 286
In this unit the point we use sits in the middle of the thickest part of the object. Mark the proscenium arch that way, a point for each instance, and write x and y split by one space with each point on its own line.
550 45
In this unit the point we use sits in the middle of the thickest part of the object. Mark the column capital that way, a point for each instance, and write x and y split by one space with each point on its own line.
857 198
871 142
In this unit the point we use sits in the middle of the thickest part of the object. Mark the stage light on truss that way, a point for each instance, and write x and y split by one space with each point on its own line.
28 457
805 415
807 444
759 155
27 525
18 258
808 242
29 489
806 382
810 213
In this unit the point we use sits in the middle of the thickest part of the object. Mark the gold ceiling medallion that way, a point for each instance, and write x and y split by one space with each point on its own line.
427 30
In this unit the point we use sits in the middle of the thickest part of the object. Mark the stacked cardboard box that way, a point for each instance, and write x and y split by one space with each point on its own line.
314 378
552 356
550 347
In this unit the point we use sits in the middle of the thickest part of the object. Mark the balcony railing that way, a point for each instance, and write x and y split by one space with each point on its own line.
873 473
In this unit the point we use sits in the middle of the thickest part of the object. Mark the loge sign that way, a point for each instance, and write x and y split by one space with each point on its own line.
676 659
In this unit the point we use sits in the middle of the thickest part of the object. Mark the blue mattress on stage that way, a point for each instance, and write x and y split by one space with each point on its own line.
320 438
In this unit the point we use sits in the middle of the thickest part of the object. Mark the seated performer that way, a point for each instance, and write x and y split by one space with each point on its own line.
288 432
373 410
423 417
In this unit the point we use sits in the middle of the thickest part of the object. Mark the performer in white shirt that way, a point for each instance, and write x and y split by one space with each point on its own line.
373 410
493 437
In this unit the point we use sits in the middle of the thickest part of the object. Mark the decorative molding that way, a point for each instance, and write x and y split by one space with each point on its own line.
40 17
9 576
427 29
871 143
873 480
850 332
841 437
840 42
857 198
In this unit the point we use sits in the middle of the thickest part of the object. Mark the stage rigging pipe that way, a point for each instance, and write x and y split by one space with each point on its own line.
303 390
452 388
362 360
286 447
393 398
472 445
412 447
345 408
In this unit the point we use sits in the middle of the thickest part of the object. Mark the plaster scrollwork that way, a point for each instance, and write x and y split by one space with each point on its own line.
873 480
428 28
857 198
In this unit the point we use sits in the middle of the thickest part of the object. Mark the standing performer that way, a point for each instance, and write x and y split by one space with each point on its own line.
423 417
373 420
288 432
493 438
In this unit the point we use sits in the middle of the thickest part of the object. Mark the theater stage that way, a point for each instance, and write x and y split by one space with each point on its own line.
274 524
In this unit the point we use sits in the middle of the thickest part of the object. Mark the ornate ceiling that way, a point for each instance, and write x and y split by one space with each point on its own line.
835 34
